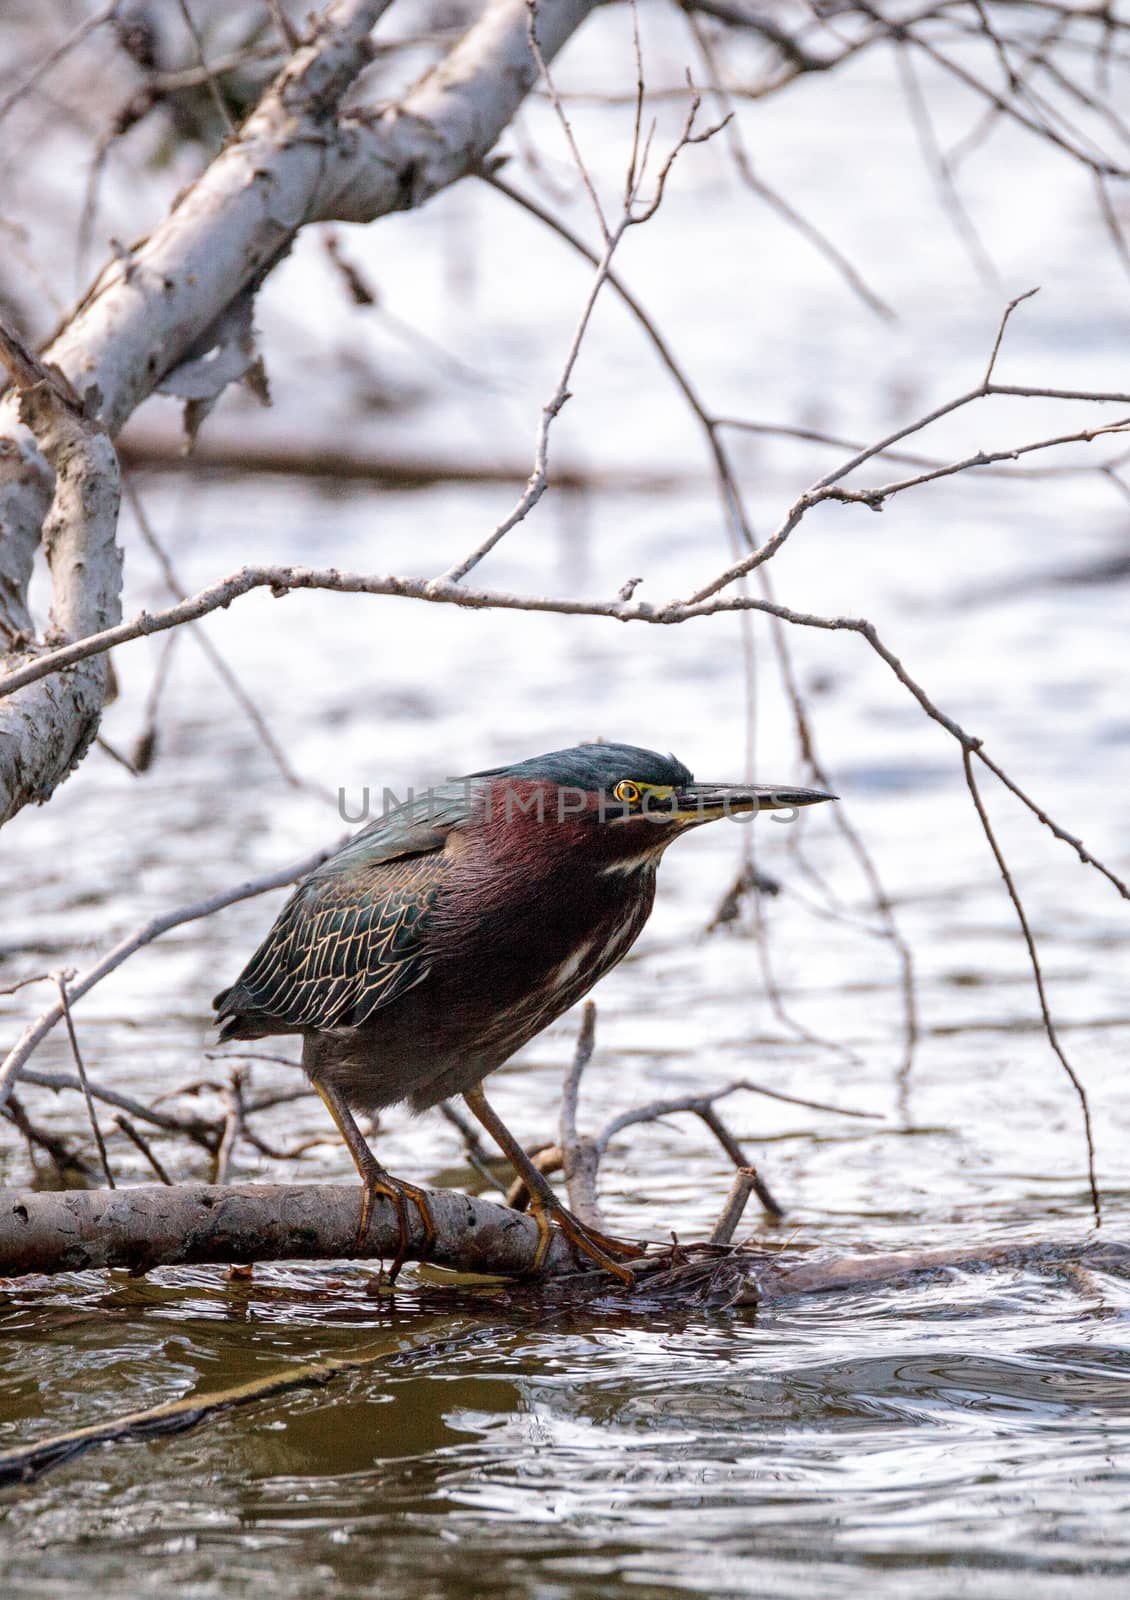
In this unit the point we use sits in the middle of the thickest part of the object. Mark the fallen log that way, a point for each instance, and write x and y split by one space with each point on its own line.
185 1224
238 1224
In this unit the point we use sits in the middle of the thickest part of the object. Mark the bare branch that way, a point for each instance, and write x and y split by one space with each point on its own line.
734 1208
81 31
580 1158
142 1227
1037 974
630 217
64 1001
197 1129
566 125
214 89
539 477
697 1103
939 167
66 1161
233 1126
771 197
296 160
223 671
1008 310
138 1139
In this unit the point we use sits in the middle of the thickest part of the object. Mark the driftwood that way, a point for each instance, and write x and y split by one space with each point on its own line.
191 1224
152 1226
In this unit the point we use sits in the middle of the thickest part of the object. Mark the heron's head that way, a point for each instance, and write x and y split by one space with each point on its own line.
619 801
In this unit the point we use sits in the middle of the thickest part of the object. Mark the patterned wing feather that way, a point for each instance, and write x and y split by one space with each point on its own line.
344 945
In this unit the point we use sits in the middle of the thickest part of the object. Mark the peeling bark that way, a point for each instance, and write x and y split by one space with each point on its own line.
26 486
46 732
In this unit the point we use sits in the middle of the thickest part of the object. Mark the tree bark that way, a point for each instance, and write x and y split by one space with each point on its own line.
80 534
153 1226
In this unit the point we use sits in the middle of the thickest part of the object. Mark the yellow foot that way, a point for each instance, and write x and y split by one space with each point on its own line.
596 1246
400 1193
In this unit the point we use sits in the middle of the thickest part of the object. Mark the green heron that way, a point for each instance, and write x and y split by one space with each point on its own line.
446 934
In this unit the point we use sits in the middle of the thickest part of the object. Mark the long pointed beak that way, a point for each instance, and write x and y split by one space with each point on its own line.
705 802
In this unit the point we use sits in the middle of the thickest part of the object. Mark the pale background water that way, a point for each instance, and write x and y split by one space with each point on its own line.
967 1435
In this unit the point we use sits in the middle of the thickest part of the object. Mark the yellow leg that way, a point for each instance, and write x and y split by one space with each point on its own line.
545 1204
375 1180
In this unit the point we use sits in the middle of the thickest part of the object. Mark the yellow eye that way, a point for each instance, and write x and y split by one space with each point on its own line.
627 792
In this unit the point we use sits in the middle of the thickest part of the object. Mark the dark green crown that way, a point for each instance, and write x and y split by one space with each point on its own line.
596 767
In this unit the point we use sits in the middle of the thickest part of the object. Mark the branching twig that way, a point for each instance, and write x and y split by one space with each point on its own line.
771 197
632 216
81 31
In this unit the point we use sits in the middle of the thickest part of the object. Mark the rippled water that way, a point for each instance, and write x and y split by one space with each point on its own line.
964 1434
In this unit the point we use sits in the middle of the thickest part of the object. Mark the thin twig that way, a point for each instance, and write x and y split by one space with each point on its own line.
770 1204
138 1139
65 46
1008 310
283 579
734 1208
214 89
1037 974
233 1125
570 1089
777 202
477 1156
80 1068
696 1102
205 1134
219 664
22 983
566 125
145 745
740 532
289 34
953 206
580 1159
65 1159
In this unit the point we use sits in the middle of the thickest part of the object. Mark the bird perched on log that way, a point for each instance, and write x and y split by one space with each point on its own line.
449 932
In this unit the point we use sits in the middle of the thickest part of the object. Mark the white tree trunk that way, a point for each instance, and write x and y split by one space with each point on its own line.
297 160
